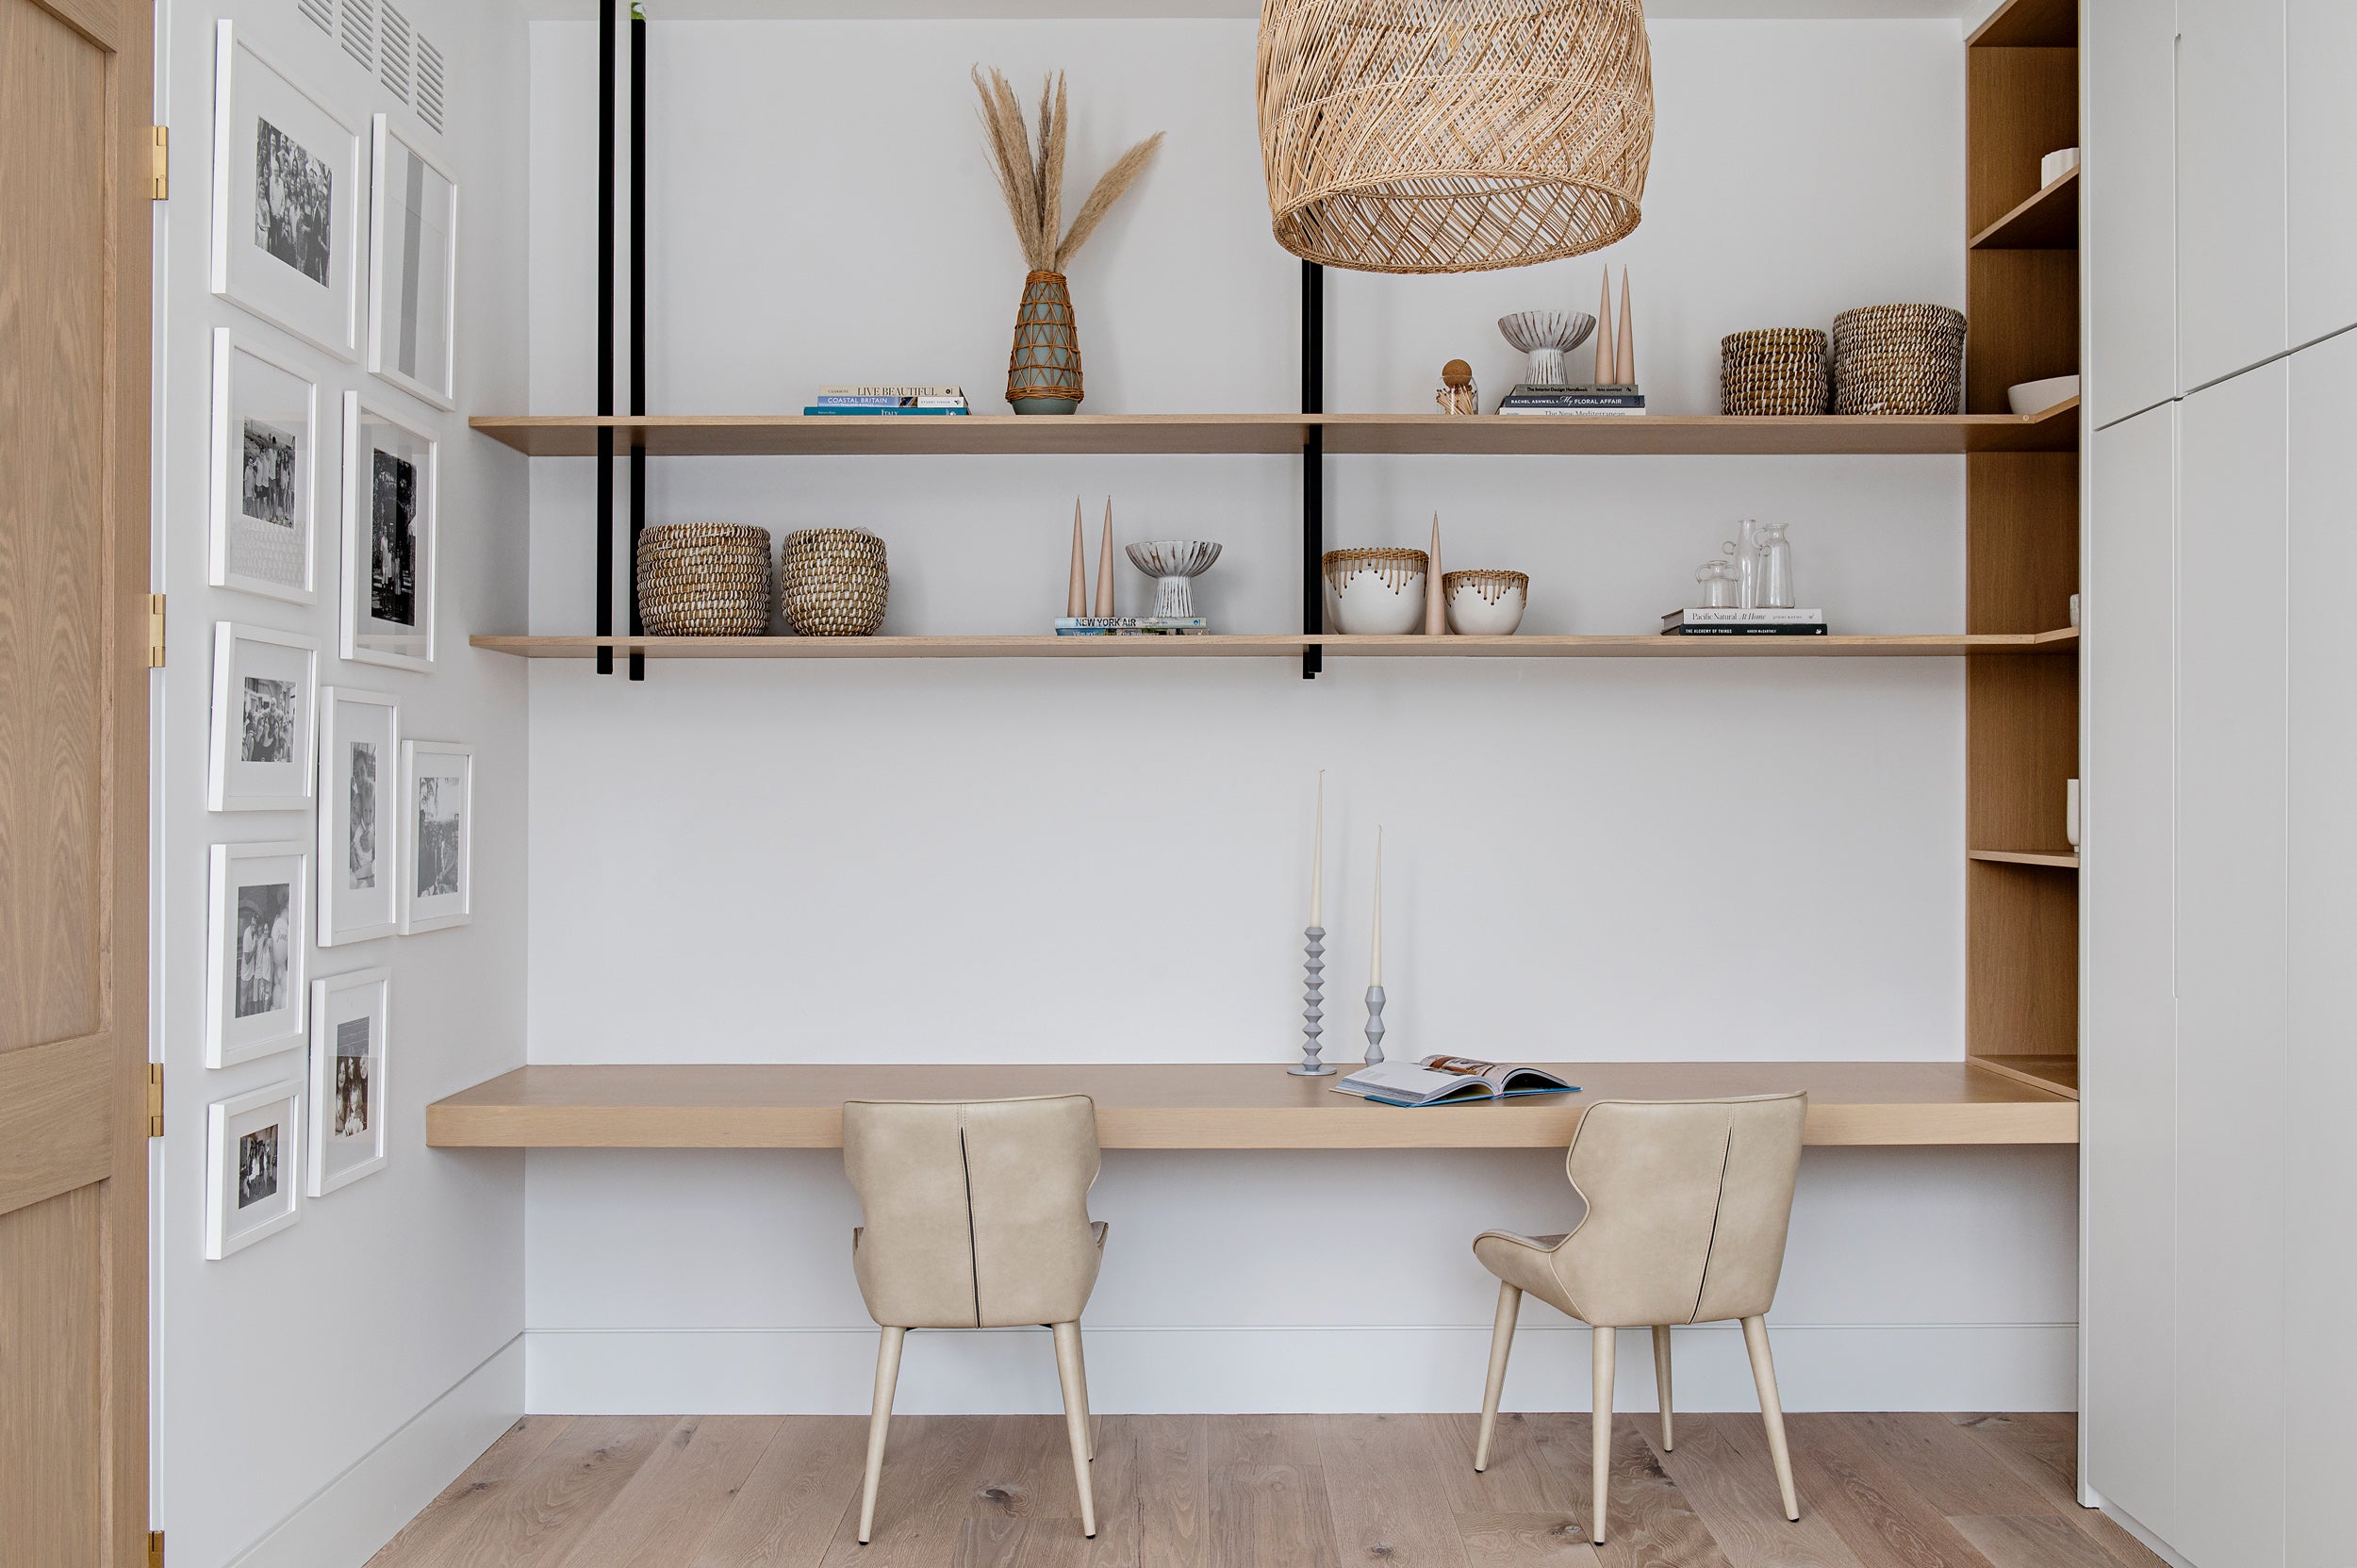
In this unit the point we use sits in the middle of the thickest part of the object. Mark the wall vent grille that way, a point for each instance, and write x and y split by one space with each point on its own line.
357 30
430 83
392 52
319 15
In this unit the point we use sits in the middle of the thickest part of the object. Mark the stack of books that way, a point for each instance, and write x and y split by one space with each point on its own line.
1743 623
1527 399
1130 626
887 400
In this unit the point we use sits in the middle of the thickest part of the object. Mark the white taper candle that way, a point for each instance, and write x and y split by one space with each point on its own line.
1317 860
1374 967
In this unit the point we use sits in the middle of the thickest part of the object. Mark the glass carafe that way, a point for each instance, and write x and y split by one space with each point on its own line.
1719 589
1773 580
1745 549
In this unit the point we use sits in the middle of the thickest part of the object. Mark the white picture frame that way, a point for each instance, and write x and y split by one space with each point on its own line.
265 688
253 1152
264 533
359 847
438 830
287 194
349 1018
413 268
388 506
257 929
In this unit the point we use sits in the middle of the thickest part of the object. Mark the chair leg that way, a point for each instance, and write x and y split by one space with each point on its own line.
1501 1346
1771 1410
1070 1372
1661 1380
879 1424
1088 1417
1601 1426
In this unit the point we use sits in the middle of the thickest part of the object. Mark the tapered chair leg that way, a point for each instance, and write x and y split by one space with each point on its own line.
1070 1372
1661 1380
1601 1426
879 1424
1501 1346
1771 1410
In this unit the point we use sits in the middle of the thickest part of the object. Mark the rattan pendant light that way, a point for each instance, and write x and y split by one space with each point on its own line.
1453 136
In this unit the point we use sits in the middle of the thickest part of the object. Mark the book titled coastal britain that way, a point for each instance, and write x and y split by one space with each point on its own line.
1450 1081
887 399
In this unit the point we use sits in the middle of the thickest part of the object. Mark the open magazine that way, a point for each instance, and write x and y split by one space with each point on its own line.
1448 1080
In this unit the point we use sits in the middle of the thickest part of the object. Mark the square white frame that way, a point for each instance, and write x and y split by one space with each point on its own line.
323 992
333 904
325 315
358 490
450 909
229 1039
445 395
228 468
221 1175
268 786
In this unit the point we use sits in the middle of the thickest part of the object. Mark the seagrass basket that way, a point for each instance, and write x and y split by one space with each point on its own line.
834 582
1898 359
703 580
1773 370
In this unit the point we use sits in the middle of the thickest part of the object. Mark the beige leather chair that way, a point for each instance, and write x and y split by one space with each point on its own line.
977 1218
1687 1203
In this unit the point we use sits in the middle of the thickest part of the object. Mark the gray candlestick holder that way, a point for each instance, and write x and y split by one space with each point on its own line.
1375 1025
1313 1009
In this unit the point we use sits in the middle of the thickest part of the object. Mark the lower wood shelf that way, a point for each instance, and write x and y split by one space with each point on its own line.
1221 1105
1282 645
2059 1074
2022 857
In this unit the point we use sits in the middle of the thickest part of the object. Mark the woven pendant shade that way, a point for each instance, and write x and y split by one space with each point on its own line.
1453 136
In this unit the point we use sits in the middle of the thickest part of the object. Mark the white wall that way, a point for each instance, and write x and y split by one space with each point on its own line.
314 1389
1104 861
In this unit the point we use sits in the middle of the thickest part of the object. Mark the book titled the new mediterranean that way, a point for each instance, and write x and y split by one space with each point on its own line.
1450 1081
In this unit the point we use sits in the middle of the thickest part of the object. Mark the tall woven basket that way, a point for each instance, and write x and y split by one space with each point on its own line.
1898 359
1406 135
703 579
834 582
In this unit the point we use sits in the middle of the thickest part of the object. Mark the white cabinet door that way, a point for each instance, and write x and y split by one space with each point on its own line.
2229 963
2321 158
2320 1278
2129 171
2127 1051
2230 187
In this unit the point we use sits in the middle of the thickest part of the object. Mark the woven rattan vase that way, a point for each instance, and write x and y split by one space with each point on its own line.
1405 135
834 582
1043 372
703 580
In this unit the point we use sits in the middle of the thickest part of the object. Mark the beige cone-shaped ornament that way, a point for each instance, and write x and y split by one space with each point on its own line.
1435 605
1076 602
1606 361
1624 362
1105 564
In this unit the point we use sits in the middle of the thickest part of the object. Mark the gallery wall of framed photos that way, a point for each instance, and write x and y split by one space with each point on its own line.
341 937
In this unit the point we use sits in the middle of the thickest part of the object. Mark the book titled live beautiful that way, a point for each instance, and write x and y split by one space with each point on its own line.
1450 1081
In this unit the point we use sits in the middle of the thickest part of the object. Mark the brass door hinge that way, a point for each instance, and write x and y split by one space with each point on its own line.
155 631
159 163
155 1549
155 1125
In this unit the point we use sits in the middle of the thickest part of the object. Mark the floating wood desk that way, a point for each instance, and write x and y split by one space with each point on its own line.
1218 1105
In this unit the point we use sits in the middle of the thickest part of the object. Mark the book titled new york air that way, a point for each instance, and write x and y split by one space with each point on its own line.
1450 1081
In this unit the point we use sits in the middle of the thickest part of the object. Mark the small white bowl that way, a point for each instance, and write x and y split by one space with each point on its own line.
2037 397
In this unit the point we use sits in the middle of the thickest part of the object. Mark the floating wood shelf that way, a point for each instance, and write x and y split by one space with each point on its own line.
1663 434
1285 646
2057 1074
2029 24
2014 857
2047 221
1224 1105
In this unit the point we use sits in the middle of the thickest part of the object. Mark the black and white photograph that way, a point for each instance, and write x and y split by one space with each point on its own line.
287 196
253 1147
439 889
389 538
264 682
349 1018
254 946
413 224
265 472
359 820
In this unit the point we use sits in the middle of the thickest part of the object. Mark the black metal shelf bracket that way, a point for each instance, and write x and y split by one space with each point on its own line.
1312 465
605 617
637 315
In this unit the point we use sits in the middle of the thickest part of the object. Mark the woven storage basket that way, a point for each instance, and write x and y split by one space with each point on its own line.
703 580
834 582
1898 359
1774 370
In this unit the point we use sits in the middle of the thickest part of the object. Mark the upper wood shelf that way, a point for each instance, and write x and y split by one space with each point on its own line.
1222 1105
1664 434
2024 857
2029 24
2047 221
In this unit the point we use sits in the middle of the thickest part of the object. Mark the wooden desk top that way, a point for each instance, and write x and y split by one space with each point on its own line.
1219 1105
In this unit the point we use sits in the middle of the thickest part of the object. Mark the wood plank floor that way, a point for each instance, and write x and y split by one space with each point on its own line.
1877 1490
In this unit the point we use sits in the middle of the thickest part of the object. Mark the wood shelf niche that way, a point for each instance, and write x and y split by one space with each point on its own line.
2047 221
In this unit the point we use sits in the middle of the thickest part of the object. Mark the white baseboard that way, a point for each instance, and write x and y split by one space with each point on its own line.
348 1518
2023 1366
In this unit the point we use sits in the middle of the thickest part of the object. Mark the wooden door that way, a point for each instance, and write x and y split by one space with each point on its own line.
74 237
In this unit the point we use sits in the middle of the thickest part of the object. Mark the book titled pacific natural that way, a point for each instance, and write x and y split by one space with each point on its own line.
1450 1081
1728 623
887 399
